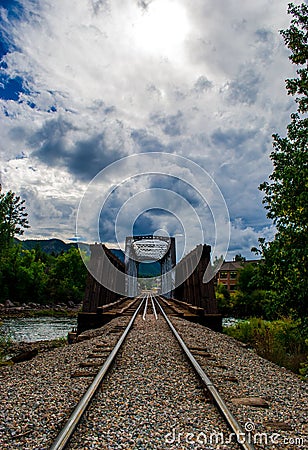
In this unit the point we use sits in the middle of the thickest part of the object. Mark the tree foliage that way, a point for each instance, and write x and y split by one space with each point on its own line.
33 276
285 258
13 217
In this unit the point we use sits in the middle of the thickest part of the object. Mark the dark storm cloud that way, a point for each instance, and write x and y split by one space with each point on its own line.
245 88
232 138
97 82
180 187
146 142
142 223
150 219
91 156
50 142
83 159
172 125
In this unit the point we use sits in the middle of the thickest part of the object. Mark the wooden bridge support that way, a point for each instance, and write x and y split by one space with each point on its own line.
193 291
96 294
131 268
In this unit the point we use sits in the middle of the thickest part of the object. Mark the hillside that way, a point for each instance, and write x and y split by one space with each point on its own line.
57 246
48 246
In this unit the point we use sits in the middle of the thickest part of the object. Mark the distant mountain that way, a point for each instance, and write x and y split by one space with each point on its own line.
47 245
149 269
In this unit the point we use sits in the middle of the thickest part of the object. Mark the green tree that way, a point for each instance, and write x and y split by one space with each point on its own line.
13 218
23 277
248 278
67 277
239 258
285 258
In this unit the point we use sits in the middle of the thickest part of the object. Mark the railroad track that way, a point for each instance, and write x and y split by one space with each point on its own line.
155 308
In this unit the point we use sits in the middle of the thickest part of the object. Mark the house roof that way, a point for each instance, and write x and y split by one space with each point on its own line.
236 265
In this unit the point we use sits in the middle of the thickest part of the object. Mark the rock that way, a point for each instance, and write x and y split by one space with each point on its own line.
231 378
9 304
276 425
32 305
250 401
83 337
82 373
25 356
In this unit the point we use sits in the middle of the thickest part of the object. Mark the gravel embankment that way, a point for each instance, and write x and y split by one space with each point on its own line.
239 373
151 397
37 396
150 392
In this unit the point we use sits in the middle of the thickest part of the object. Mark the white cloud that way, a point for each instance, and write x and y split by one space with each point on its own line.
99 86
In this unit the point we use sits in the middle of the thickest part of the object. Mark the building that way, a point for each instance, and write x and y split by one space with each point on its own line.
228 273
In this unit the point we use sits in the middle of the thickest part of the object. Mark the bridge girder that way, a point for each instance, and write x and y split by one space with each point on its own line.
149 248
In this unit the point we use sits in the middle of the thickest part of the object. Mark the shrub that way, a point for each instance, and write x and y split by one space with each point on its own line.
283 342
5 343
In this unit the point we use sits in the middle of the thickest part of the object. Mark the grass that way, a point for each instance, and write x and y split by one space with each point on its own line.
5 344
59 342
283 342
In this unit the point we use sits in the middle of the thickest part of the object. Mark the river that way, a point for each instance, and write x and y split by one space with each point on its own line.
32 329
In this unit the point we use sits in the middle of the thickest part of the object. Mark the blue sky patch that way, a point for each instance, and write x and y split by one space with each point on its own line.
10 88
14 8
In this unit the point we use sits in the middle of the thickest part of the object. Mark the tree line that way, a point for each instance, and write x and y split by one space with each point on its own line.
285 266
33 275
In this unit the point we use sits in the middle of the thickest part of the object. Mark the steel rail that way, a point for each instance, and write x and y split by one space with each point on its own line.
69 428
145 307
153 307
223 408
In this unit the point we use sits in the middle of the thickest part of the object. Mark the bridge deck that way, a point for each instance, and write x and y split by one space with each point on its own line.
103 315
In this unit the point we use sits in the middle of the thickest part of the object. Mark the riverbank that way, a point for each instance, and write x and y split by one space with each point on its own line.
35 330
25 351
36 310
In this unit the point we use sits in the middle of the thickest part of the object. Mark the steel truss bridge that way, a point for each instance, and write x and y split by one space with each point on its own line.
181 283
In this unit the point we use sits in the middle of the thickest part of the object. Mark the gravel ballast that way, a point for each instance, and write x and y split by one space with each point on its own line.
151 398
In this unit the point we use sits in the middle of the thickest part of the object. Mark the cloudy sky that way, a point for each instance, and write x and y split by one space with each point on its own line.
85 83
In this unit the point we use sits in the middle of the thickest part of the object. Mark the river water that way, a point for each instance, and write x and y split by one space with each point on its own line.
32 329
